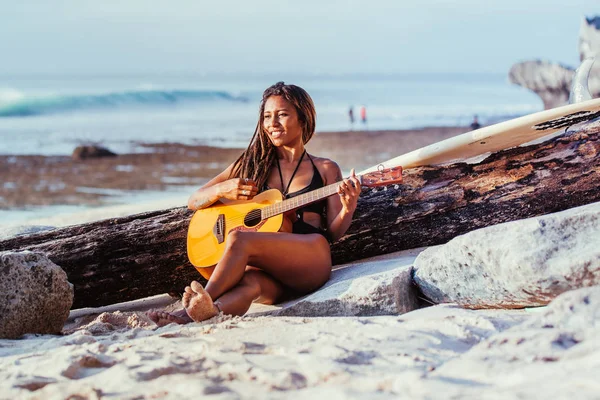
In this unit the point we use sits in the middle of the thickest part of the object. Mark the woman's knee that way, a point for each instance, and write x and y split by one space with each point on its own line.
239 241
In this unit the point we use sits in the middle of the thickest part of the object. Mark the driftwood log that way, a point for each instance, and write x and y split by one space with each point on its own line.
122 259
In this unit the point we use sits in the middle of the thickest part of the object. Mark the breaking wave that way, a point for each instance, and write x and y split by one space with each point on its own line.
18 105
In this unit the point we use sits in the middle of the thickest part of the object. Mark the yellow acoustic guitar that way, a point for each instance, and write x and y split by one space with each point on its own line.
210 227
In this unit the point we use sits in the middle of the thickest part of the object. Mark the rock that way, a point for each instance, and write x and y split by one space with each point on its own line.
378 286
517 264
540 358
91 151
552 81
35 296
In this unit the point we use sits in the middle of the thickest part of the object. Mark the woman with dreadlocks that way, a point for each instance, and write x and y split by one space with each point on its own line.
267 267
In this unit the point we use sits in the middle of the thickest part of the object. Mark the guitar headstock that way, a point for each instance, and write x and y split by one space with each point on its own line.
382 177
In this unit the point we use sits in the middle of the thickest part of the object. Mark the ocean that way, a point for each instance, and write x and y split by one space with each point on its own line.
51 115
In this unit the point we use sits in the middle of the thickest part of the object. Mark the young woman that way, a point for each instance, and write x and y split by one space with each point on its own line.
261 266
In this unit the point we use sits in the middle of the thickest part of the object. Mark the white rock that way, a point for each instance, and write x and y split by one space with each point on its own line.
552 80
35 296
378 286
549 80
517 264
555 355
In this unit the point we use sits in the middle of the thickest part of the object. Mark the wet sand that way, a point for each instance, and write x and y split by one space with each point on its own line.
60 180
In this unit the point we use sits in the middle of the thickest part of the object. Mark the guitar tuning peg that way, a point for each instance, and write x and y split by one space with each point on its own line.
396 187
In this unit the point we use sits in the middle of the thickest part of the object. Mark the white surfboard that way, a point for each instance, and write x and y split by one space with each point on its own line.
506 134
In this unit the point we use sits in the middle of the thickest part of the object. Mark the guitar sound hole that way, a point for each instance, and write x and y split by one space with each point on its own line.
252 218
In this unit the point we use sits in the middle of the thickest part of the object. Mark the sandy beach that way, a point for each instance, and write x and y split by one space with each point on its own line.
439 352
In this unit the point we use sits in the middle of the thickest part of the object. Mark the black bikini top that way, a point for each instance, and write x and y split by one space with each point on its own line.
315 183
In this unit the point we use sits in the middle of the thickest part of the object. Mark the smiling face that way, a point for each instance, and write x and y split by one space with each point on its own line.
281 123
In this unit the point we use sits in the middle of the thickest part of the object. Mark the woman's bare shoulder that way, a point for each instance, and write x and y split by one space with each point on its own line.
328 168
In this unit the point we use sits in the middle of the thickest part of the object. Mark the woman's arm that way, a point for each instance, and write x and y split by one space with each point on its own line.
222 187
340 208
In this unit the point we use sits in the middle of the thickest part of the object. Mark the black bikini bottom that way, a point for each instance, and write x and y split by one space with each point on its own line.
303 228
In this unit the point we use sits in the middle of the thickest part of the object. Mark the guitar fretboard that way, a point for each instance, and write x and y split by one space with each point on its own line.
299 201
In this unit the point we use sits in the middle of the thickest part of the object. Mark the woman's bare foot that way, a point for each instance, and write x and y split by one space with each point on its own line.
197 303
162 318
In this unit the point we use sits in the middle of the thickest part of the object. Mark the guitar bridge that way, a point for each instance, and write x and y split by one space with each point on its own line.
219 228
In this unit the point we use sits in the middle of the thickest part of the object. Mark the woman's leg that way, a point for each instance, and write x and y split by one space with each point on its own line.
255 285
300 262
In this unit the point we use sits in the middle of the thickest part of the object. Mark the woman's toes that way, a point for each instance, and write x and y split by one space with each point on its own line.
153 315
197 287
162 318
185 299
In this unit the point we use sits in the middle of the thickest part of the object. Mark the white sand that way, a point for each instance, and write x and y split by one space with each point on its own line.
121 355
437 352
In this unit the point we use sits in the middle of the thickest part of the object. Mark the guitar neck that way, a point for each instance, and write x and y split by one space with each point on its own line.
299 201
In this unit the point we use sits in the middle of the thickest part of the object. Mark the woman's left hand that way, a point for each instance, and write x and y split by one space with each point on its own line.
349 190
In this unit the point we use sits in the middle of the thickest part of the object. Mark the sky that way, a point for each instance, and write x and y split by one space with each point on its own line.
294 36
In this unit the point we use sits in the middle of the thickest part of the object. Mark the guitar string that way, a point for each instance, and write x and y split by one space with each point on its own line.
296 202
278 207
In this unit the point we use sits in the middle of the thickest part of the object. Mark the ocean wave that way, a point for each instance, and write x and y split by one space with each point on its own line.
26 106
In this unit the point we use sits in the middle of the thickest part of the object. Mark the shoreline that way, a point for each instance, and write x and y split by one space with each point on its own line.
411 134
60 191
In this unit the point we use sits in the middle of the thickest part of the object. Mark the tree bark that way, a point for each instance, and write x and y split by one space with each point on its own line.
128 258
435 204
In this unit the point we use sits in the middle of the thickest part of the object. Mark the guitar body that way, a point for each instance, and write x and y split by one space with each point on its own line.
210 227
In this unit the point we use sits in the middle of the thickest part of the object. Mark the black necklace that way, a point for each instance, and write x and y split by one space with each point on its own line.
293 174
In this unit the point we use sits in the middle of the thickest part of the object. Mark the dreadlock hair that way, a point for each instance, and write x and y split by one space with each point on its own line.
256 161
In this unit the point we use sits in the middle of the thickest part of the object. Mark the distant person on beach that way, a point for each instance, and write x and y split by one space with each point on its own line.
363 114
475 124
351 117
268 267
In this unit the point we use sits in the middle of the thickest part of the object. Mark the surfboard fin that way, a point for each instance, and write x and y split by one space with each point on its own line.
579 88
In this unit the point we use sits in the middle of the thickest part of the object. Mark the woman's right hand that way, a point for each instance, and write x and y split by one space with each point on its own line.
238 189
